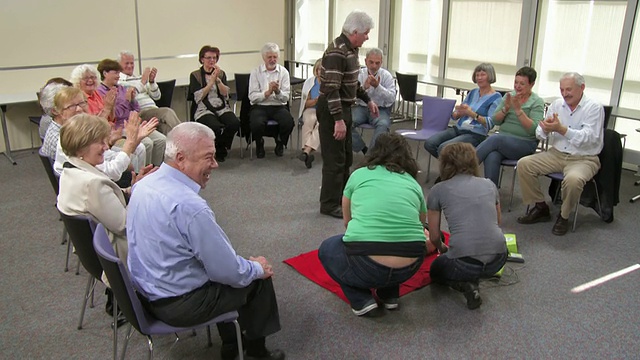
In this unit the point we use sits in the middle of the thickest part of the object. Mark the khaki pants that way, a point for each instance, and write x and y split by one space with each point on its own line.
577 170
167 118
310 136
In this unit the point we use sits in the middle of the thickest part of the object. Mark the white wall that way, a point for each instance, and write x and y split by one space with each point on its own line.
37 33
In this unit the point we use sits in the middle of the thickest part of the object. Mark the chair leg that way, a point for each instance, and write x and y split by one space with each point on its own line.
429 168
78 267
415 115
91 283
209 343
575 217
239 339
513 184
66 264
150 341
126 341
65 235
115 328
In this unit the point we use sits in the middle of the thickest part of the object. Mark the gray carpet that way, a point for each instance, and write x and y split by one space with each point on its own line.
270 207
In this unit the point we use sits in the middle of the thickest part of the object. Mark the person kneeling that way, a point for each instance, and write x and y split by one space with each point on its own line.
471 204
384 244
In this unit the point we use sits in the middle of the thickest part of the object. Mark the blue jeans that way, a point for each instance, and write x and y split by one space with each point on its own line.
357 275
361 115
445 269
498 147
437 142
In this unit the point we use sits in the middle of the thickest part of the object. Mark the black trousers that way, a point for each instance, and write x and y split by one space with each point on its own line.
337 155
261 114
256 305
224 126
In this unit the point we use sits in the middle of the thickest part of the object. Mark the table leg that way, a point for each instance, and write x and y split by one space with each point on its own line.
7 145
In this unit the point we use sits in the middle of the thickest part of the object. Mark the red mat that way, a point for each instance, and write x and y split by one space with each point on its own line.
308 264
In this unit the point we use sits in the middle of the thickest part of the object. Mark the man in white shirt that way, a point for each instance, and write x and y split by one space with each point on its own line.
147 92
381 88
269 89
574 128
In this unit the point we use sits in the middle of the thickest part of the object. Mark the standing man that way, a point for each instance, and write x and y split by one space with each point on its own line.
339 88
381 88
148 91
183 262
269 93
575 133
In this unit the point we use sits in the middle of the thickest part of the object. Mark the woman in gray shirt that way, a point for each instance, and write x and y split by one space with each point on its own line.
471 205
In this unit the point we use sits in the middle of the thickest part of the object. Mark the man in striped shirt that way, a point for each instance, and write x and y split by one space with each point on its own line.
339 89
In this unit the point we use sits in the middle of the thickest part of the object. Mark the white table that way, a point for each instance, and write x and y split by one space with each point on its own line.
11 99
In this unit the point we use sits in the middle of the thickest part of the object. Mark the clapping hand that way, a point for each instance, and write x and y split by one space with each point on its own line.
149 169
146 75
373 81
132 126
152 75
551 123
131 93
147 127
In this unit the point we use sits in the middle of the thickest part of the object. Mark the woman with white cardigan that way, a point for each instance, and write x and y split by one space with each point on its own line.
309 98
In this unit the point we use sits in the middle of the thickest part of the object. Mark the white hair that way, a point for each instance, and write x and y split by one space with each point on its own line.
123 53
182 137
357 20
47 95
80 71
577 78
374 51
270 48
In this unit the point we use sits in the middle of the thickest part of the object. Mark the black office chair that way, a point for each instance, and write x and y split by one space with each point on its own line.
47 163
81 231
36 121
166 93
242 93
296 93
408 86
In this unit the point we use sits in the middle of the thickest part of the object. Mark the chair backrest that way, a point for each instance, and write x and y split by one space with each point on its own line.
607 115
120 282
436 112
166 93
408 85
80 231
48 167
242 86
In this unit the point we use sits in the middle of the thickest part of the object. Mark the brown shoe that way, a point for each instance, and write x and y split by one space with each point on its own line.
561 226
535 214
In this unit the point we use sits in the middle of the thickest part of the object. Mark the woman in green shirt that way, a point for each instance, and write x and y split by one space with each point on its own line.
518 116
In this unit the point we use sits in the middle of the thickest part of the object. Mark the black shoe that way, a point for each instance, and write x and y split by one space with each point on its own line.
336 213
260 148
268 355
472 294
220 158
108 306
536 214
309 161
279 148
364 150
561 226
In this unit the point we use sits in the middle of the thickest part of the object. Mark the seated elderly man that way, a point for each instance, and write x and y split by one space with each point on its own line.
125 102
574 129
269 93
147 91
381 88
181 259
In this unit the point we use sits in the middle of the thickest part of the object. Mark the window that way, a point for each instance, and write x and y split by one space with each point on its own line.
344 7
582 36
483 31
311 29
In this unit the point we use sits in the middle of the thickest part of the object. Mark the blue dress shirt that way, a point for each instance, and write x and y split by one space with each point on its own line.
175 244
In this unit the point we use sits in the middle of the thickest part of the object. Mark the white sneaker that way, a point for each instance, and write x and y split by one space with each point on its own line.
366 309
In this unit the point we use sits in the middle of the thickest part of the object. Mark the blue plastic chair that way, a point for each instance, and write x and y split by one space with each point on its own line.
126 298
436 113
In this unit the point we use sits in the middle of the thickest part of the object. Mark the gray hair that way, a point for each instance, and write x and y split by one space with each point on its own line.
487 68
183 136
577 78
80 70
123 53
47 95
374 51
357 20
270 48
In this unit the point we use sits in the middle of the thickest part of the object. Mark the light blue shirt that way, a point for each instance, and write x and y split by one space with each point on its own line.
175 244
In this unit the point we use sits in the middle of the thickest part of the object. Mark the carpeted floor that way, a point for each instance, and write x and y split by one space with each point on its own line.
270 207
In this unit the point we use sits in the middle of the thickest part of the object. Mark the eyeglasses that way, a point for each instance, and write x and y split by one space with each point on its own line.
82 104
85 79
211 58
